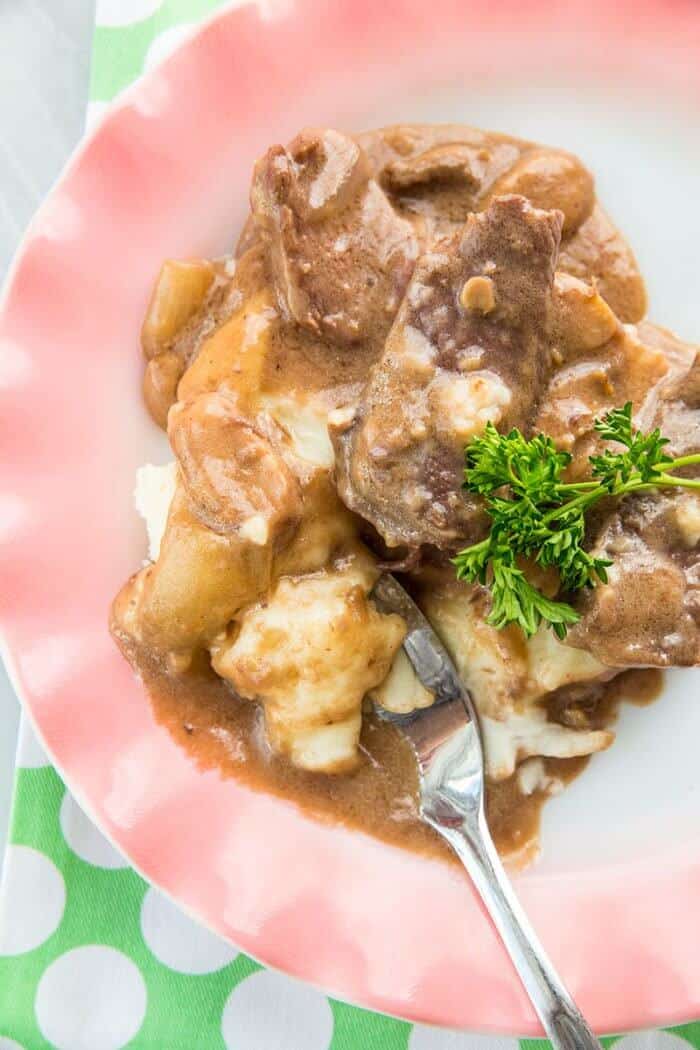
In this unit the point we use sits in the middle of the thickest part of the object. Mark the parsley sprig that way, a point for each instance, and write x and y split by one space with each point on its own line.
536 515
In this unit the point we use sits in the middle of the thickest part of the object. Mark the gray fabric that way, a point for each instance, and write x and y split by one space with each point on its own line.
44 71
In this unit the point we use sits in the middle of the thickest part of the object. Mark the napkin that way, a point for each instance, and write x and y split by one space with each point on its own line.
91 957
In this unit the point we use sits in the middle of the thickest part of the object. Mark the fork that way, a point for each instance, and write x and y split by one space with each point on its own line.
447 744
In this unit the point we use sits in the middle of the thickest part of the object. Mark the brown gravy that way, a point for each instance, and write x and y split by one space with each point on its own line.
308 316
220 731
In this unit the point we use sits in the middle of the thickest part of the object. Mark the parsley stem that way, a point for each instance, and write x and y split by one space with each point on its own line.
576 486
595 491
684 461
580 501
686 483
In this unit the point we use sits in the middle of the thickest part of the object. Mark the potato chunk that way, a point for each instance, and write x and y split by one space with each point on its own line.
199 583
232 357
160 385
179 292
309 654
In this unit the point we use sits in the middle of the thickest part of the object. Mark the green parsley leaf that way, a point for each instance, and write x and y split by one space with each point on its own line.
536 515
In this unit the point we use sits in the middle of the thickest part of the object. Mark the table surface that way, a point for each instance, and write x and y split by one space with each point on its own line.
44 73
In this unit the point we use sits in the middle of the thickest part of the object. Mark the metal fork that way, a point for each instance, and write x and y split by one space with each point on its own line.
446 740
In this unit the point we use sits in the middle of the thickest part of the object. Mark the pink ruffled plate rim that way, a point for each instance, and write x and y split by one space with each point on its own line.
165 173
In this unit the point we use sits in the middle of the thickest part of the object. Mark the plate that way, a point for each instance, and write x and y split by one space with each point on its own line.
616 897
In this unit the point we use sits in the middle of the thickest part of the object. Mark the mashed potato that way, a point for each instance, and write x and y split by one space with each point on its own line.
317 646
507 676
502 670
155 488
522 735
309 653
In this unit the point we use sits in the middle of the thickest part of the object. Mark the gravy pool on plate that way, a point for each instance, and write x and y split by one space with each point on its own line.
392 293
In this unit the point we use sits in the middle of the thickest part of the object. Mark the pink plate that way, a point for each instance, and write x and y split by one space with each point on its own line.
166 174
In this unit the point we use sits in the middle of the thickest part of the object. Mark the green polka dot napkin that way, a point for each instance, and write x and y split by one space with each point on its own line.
91 958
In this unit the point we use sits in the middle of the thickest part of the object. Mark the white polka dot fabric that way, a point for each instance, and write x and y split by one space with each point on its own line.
85 840
268 1010
32 901
178 941
422 1038
91 998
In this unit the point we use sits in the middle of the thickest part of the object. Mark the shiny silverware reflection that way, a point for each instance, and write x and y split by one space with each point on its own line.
447 744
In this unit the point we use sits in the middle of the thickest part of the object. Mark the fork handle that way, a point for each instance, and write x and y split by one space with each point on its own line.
560 1017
